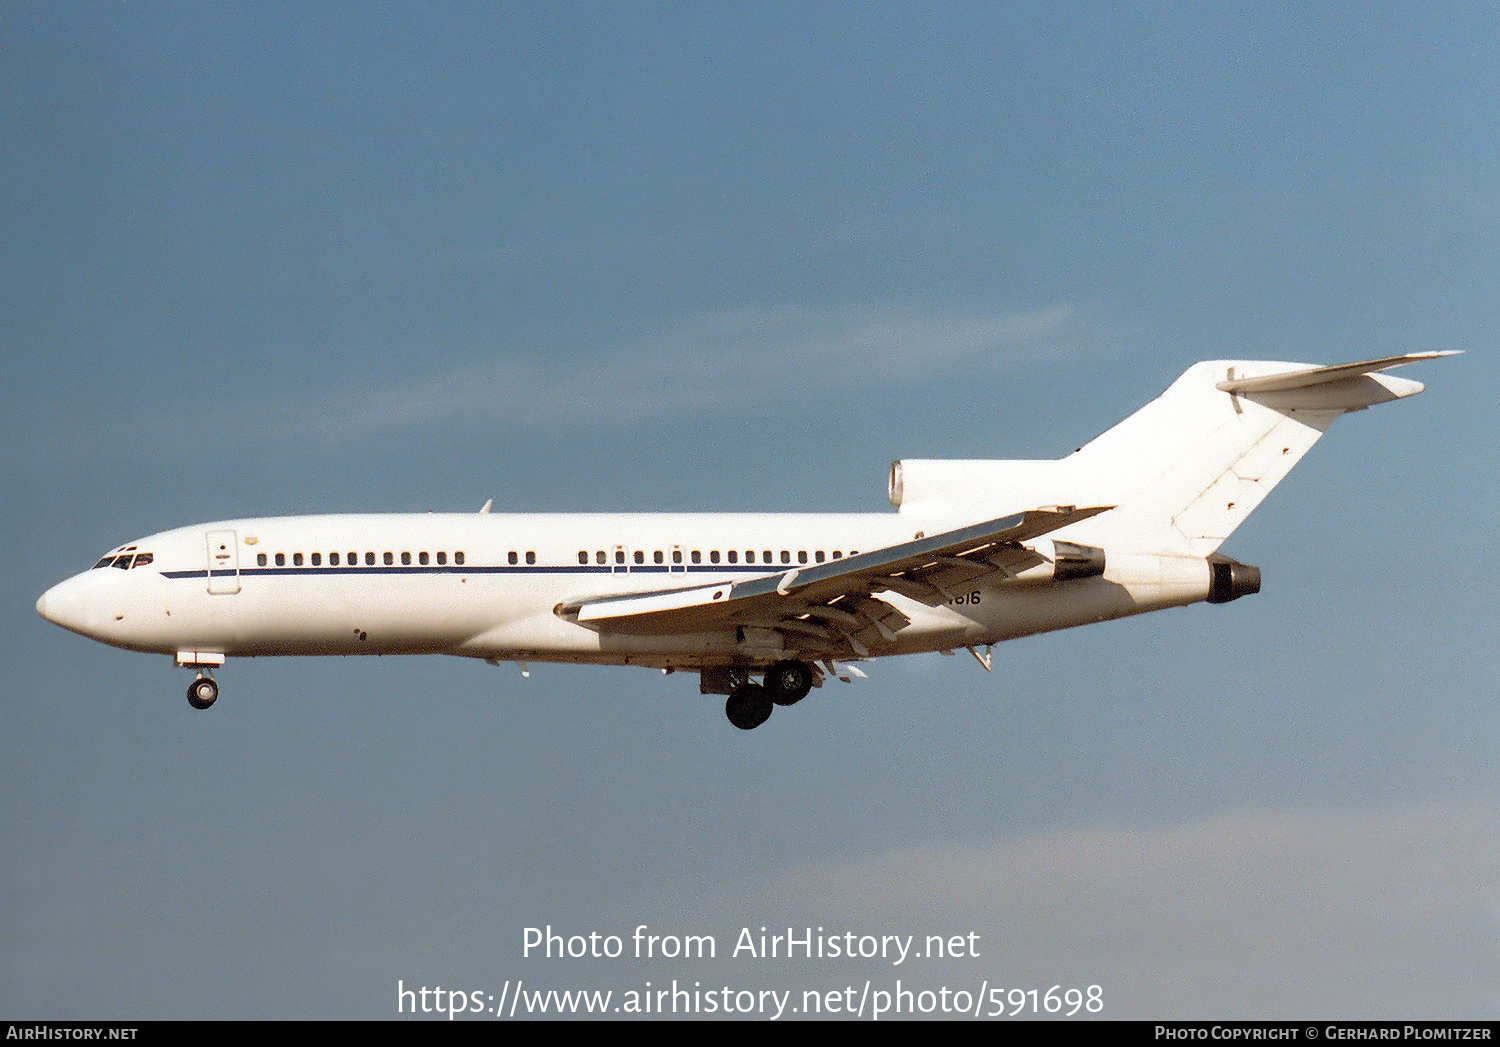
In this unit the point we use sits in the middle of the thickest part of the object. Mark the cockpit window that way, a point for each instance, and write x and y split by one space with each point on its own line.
123 560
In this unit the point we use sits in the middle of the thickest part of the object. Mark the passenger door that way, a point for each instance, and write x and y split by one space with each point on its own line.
223 563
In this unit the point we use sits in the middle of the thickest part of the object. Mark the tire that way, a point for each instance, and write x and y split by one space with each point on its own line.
202 692
788 682
748 706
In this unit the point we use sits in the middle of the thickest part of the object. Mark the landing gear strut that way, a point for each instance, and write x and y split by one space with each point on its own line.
203 692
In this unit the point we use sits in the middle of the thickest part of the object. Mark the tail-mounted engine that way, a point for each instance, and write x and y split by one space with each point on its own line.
1229 579
1049 560
1071 560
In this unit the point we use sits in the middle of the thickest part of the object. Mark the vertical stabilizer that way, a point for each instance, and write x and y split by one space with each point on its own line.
1190 466
1182 472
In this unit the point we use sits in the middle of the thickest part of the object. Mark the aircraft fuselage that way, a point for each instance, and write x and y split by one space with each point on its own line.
488 586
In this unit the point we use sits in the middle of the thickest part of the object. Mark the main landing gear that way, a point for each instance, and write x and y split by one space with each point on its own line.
749 705
789 682
786 683
203 692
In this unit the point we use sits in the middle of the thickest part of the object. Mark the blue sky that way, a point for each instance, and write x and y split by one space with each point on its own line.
703 257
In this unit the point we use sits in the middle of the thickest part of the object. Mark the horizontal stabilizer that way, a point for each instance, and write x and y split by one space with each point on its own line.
1302 379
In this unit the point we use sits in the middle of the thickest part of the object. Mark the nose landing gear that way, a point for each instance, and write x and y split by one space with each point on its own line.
203 692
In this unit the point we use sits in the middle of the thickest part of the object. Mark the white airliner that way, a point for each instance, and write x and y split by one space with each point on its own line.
978 552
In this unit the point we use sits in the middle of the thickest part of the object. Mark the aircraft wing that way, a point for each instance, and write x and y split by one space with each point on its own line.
832 607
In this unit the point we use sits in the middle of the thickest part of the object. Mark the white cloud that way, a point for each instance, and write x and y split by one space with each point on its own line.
1385 913
789 357
711 360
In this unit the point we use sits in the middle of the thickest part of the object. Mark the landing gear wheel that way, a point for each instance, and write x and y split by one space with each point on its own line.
203 692
748 707
788 682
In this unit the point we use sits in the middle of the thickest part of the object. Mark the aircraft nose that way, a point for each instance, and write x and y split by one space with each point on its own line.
64 605
50 604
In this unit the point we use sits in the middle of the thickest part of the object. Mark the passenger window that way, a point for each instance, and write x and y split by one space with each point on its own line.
819 555
599 556
619 556
677 556
422 558
353 560
442 558
713 556
750 556
734 556
317 559
802 556
260 559
296 559
583 556
657 557
512 558
768 556
697 556
640 556
531 557
281 559
389 559
333 559
405 559
369 559
458 557
837 555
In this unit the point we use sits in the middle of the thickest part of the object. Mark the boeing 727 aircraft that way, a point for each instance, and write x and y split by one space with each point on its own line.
977 552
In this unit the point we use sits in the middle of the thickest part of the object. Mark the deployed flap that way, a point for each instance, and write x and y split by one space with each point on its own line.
810 592
1277 383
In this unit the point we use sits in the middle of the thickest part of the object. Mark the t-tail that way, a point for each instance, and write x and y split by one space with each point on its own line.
1182 472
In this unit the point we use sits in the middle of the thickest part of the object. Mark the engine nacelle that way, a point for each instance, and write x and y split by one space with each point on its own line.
1071 560
1229 579
946 486
1059 561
